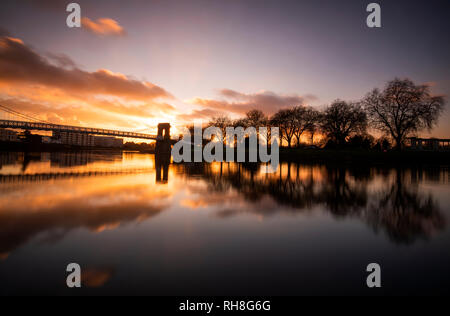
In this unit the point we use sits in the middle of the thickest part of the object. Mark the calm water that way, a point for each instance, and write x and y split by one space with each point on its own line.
219 228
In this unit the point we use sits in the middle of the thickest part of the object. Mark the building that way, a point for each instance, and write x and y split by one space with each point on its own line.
74 139
433 144
85 140
7 135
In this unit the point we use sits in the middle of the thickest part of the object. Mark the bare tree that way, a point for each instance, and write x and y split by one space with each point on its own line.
285 121
256 118
342 119
315 126
305 120
241 122
403 108
221 122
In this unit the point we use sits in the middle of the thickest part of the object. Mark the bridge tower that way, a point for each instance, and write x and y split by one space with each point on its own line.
163 131
163 143
163 152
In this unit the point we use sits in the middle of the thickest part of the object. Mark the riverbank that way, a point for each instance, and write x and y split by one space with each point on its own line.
359 156
301 155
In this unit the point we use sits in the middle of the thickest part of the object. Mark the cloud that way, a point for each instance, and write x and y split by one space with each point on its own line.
61 60
103 27
199 114
20 64
79 113
56 89
240 103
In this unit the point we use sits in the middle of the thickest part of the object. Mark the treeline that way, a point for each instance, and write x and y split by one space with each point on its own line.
142 147
398 111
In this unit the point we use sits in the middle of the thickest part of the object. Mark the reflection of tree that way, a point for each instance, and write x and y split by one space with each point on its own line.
401 211
289 189
342 198
405 214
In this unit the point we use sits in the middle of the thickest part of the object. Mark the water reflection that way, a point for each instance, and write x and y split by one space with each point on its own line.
46 198
96 276
386 199
58 159
403 212
50 203
117 189
162 163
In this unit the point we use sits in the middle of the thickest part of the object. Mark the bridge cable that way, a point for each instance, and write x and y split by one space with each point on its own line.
21 115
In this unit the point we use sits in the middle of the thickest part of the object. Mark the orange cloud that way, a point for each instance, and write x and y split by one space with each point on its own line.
57 90
240 103
20 64
199 114
103 26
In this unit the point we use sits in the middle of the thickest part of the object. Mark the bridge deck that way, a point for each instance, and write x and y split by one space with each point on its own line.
72 129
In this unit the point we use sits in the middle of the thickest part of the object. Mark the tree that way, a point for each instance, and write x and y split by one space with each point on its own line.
361 141
342 119
382 144
403 108
256 118
285 121
240 122
221 122
305 119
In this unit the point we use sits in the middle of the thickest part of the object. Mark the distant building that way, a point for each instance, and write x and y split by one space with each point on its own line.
74 139
85 140
7 135
433 144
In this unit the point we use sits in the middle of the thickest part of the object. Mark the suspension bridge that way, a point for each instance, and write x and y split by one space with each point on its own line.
17 120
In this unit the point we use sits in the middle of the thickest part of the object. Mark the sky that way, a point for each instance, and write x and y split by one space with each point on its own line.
135 63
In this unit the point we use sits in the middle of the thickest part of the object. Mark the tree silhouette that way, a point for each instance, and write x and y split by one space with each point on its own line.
305 120
221 122
403 108
285 120
342 119
256 118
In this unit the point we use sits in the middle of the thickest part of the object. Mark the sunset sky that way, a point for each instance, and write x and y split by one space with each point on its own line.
136 63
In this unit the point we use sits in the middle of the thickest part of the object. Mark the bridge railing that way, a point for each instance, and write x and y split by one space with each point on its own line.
72 129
